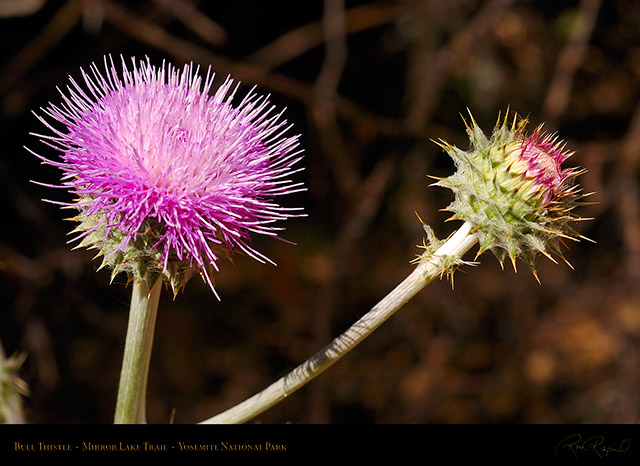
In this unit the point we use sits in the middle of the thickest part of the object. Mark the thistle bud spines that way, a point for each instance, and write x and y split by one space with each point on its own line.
512 188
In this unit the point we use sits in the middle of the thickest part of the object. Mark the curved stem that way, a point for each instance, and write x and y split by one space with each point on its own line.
430 267
132 392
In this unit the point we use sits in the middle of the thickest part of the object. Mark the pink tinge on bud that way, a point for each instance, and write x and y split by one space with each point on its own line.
539 158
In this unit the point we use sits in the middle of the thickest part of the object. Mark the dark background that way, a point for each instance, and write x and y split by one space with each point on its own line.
367 95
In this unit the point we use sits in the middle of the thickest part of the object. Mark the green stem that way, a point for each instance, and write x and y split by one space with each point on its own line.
429 268
130 407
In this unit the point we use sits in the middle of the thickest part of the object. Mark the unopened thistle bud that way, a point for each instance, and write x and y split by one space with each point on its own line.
512 189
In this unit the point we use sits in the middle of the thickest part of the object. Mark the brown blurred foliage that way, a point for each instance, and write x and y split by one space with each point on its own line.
367 84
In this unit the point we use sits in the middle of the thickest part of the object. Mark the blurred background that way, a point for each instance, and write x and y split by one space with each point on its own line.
367 84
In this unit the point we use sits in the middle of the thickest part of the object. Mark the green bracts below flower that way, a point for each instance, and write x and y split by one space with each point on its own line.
512 189
138 258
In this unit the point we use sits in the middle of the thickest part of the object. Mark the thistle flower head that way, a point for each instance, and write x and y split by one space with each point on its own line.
512 188
168 178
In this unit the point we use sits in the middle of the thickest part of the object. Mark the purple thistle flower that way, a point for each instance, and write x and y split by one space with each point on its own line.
170 179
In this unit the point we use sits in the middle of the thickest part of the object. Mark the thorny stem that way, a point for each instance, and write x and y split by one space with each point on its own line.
132 392
430 267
